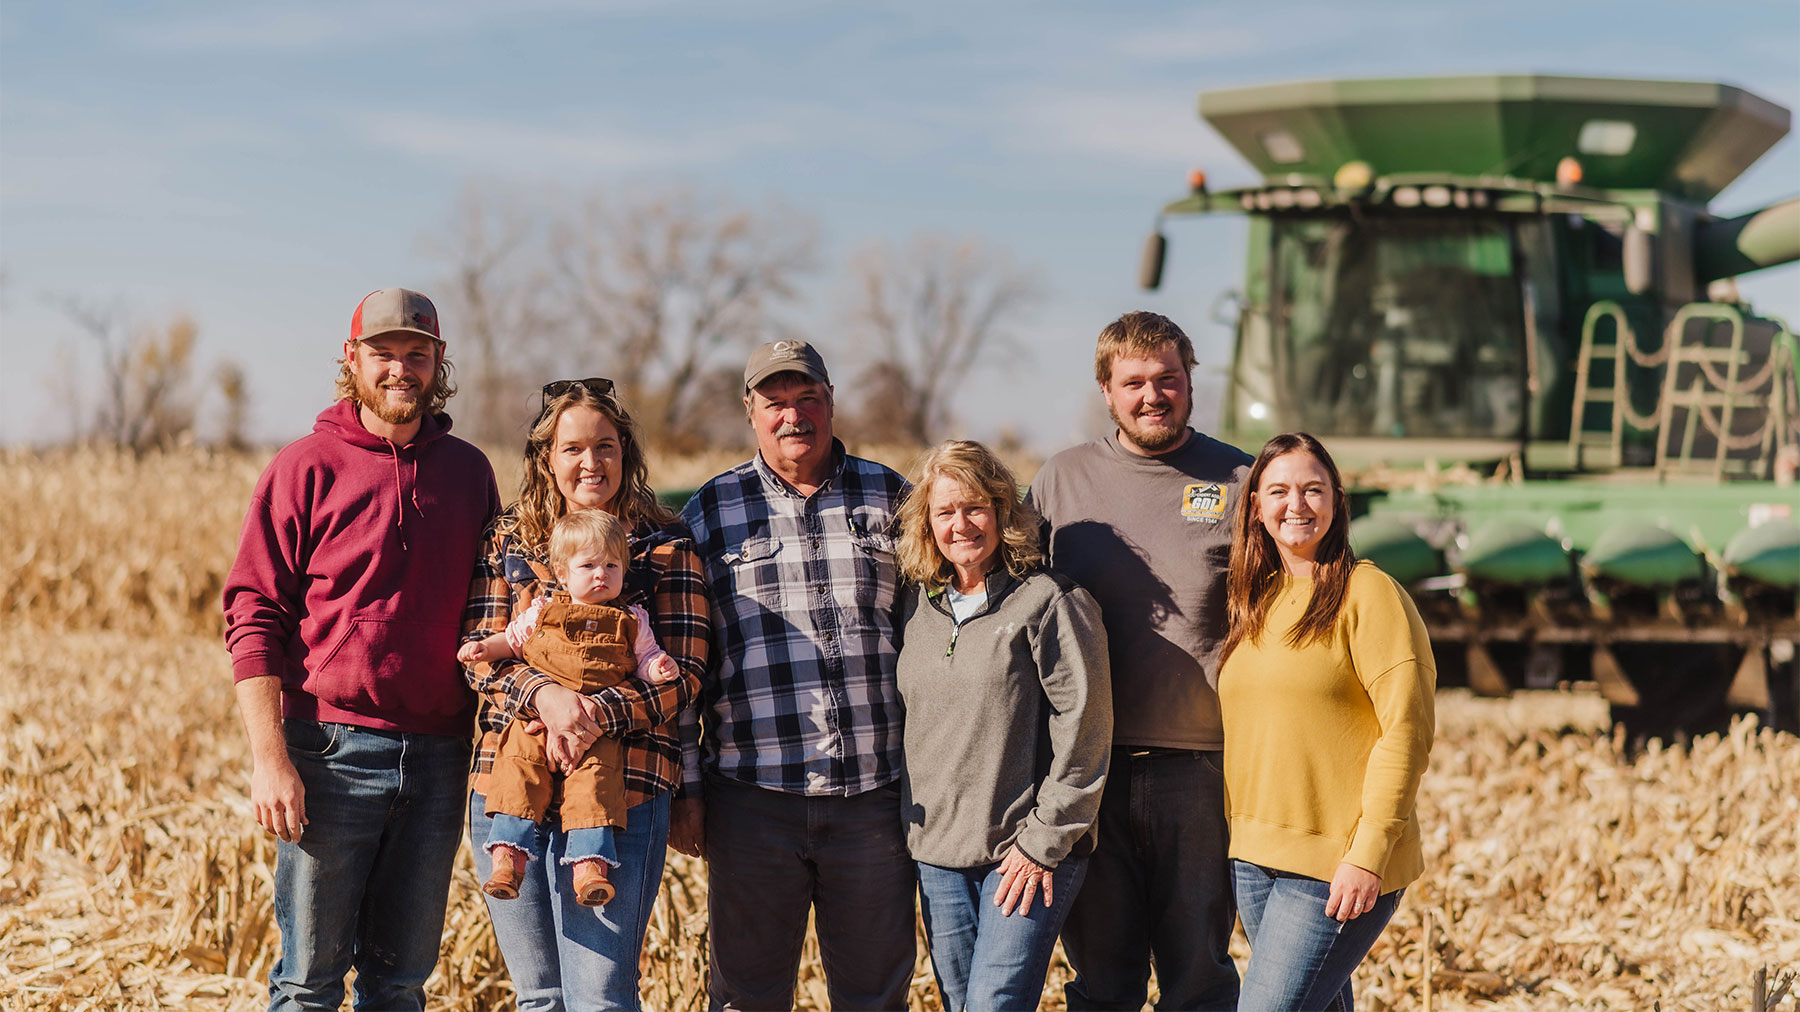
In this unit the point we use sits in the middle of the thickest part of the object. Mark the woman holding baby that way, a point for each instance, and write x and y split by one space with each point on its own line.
568 940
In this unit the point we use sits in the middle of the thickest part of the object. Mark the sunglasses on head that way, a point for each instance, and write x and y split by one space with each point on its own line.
599 386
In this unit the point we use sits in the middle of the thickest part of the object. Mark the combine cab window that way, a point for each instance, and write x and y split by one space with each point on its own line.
1398 326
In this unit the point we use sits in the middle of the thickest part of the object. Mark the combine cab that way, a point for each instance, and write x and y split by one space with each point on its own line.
1502 303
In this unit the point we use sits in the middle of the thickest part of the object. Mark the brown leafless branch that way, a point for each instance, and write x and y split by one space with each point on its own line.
933 311
661 289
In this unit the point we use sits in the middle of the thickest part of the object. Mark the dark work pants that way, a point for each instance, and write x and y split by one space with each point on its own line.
770 856
1158 887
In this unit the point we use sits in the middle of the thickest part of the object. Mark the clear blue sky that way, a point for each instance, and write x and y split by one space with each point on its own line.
263 165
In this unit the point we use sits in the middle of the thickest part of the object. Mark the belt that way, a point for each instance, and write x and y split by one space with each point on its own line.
1169 753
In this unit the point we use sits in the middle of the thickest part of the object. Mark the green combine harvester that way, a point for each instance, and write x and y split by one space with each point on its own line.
1503 304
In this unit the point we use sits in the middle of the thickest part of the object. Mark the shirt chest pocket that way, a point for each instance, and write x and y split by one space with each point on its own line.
877 575
755 570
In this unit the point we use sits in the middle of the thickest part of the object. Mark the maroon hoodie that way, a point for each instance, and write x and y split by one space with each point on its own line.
352 571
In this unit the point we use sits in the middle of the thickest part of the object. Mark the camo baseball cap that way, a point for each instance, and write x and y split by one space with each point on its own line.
394 310
784 356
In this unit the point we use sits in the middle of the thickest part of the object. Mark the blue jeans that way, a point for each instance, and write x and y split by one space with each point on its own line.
984 960
525 836
1300 959
366 884
560 954
1157 885
771 856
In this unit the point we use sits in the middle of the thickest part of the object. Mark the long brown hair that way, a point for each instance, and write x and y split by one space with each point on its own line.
540 503
1256 563
977 469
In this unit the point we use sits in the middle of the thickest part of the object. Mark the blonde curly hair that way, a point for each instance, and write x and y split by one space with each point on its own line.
976 468
442 386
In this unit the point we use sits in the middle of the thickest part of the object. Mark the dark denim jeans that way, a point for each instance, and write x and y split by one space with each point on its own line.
1157 886
769 857
366 884
1300 959
984 960
560 954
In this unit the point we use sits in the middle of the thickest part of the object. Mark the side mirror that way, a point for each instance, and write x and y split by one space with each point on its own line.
1150 270
1637 254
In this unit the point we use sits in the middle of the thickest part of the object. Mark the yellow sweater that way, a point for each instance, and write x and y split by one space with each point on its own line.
1325 743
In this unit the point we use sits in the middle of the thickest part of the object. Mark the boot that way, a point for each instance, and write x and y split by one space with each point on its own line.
509 870
591 886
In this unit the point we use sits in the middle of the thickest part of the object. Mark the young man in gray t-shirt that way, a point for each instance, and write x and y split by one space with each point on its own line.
1141 519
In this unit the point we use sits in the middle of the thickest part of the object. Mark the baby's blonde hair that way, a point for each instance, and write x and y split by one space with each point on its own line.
585 530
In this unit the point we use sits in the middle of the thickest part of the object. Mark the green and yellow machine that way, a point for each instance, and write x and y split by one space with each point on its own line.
1503 304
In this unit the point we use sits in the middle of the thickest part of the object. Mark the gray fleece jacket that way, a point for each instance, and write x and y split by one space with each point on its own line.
1008 723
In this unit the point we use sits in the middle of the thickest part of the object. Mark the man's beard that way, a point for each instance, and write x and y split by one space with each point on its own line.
376 401
1152 437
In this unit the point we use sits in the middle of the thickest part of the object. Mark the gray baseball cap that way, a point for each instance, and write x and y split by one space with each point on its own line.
394 310
784 356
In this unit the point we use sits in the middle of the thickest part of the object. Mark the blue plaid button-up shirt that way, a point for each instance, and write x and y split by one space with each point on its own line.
801 695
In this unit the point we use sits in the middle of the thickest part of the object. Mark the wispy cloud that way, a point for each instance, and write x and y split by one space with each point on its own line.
1191 44
1131 127
1233 33
64 157
302 27
1230 36
508 146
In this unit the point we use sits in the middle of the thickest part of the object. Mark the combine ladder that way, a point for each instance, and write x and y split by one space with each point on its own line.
1617 396
1707 383
1706 391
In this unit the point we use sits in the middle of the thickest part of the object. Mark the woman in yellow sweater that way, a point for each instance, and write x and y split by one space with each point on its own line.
1326 692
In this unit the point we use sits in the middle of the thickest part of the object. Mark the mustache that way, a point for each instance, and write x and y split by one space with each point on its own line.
796 429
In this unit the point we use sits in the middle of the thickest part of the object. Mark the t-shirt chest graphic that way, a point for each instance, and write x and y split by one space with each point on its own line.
1203 502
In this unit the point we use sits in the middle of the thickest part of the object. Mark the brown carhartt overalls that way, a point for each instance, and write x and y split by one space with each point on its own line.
585 647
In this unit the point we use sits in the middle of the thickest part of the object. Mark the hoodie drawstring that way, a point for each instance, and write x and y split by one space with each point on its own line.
400 503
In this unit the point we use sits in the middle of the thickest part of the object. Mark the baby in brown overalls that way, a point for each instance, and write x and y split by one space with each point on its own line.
581 639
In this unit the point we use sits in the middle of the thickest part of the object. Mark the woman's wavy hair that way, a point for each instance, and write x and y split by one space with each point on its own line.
1256 563
443 387
975 467
529 521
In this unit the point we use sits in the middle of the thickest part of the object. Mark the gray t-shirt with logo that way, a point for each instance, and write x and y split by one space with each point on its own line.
1150 539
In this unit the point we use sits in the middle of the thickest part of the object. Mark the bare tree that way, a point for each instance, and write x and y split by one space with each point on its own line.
146 373
104 324
495 295
660 290
933 312
233 385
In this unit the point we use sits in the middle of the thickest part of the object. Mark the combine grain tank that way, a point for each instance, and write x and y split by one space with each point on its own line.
1503 304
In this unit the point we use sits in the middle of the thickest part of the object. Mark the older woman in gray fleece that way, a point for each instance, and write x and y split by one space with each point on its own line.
1004 675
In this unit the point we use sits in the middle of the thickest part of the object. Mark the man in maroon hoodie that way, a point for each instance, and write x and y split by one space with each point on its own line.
342 613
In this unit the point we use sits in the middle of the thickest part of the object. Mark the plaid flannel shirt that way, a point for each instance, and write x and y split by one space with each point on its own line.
665 579
801 696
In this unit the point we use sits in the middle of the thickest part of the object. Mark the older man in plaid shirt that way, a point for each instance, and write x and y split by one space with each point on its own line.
798 726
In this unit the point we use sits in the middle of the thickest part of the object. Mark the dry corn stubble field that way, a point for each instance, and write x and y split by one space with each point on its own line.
1559 874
